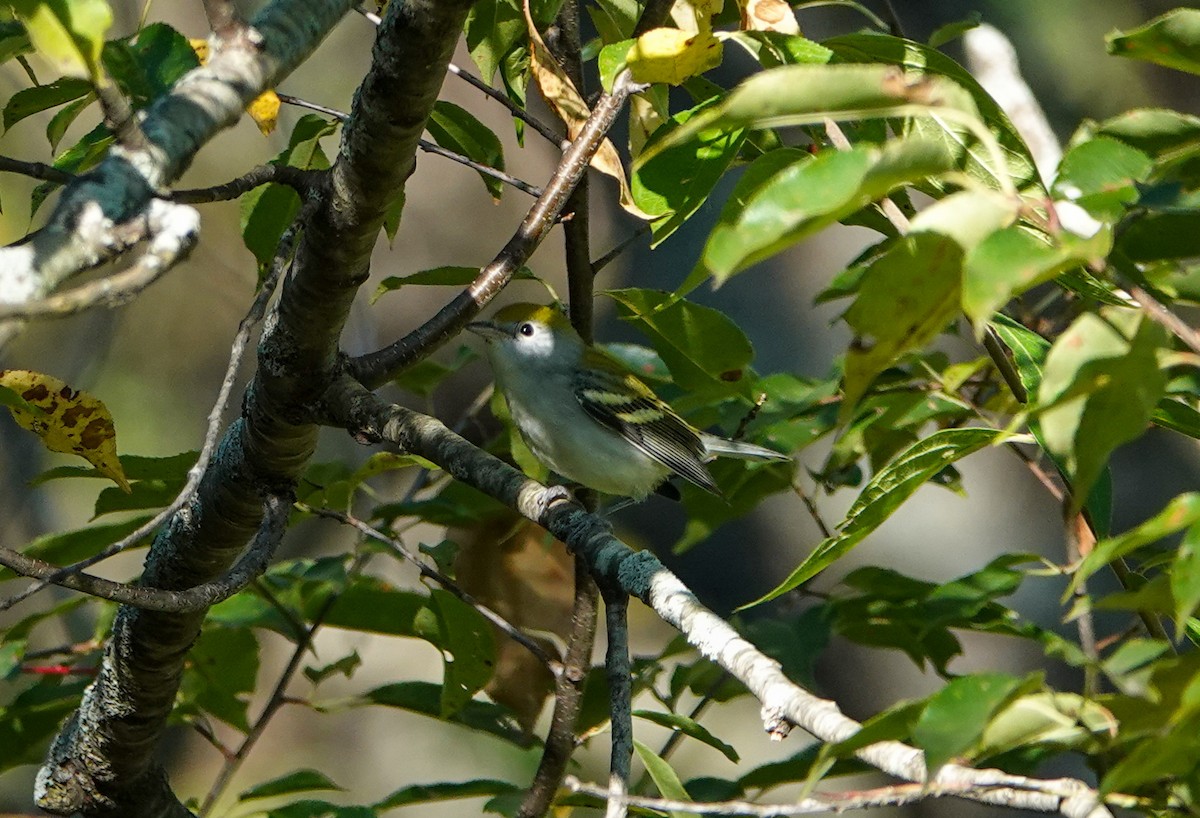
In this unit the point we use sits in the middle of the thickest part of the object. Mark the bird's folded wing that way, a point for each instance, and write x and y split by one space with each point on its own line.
627 406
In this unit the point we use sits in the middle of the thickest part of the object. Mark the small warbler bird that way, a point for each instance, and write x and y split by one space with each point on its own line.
588 418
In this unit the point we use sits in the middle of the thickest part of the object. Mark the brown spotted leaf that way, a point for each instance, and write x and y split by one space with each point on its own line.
66 420
768 15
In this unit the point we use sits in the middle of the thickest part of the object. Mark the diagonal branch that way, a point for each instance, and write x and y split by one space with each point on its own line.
377 367
640 574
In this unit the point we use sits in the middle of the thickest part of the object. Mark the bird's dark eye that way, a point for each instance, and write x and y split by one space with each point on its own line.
525 329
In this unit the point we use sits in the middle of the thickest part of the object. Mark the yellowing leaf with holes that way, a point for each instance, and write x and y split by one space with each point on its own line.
66 420
673 56
561 95
768 15
264 110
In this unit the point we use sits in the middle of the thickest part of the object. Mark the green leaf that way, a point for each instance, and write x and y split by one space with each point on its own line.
955 718
774 48
663 776
221 672
148 63
427 374
57 127
492 28
345 666
921 59
673 185
1171 753
68 33
1028 349
705 350
812 193
32 718
268 210
1172 40
469 651
71 546
1181 512
1156 236
425 698
888 489
1177 416
1156 131
952 31
1045 718
296 781
1185 577
689 727
1016 259
456 129
29 101
1100 175
908 296
450 276
968 216
79 158
1101 383
444 791
14 40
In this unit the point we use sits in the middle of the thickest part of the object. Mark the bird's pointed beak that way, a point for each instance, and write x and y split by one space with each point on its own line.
488 330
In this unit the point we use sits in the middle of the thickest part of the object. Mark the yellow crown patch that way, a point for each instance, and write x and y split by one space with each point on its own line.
515 313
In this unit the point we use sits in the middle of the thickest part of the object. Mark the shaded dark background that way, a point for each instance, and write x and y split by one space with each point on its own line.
157 364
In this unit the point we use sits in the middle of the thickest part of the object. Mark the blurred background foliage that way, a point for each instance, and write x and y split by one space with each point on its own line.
157 363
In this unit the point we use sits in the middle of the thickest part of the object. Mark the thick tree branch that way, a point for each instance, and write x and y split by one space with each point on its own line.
205 101
640 574
104 760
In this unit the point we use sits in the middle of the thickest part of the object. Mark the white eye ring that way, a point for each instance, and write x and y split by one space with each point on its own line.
526 329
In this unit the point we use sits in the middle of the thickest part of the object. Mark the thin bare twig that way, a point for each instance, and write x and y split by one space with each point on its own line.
606 259
253 563
400 550
812 805
1159 313
36 170
301 180
120 118
516 110
428 147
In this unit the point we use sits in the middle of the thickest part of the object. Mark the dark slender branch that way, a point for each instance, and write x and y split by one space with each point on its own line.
278 696
1004 365
301 180
516 110
377 367
619 671
486 170
606 259
197 598
895 28
568 697
223 18
397 548
428 147
212 430
36 170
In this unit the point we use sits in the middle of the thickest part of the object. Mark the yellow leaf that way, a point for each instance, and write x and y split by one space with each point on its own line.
68 33
768 15
66 420
672 56
562 96
200 46
264 110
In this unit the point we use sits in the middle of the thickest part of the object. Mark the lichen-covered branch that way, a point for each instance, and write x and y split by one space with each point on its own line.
206 100
639 573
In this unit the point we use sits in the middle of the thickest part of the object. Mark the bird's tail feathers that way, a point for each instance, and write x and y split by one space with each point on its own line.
716 446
